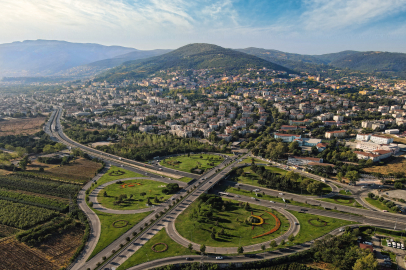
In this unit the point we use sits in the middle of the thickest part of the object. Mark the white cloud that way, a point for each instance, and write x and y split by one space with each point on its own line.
338 14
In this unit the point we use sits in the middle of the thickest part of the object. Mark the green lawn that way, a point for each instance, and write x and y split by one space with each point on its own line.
115 173
145 253
252 178
135 188
232 221
308 232
342 201
109 233
186 164
185 179
343 192
378 204
249 160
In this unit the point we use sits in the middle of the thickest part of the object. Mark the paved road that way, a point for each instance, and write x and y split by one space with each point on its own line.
100 207
231 259
304 199
207 182
293 229
93 219
110 157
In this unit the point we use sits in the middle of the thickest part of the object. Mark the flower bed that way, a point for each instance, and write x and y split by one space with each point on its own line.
120 226
158 251
277 226
324 223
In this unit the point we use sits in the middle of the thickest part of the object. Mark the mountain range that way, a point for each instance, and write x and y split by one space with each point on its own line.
34 58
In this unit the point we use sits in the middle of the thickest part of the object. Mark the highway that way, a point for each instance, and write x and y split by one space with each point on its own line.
187 196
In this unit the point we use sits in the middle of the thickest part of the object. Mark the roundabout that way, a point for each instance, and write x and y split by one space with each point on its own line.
232 224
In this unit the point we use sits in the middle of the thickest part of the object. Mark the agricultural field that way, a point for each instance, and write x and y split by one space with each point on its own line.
6 231
38 185
174 249
53 254
235 224
189 163
393 166
314 226
136 192
113 226
35 200
24 126
79 170
23 216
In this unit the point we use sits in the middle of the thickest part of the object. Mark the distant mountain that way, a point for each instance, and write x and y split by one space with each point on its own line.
48 57
385 63
98 66
382 62
331 57
192 56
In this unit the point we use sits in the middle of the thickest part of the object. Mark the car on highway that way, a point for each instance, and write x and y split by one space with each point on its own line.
271 201
389 244
219 258
189 259
280 193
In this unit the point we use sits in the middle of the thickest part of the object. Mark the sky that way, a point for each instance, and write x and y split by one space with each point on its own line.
297 26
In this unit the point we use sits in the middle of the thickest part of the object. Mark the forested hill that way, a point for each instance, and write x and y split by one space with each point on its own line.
373 62
387 63
192 56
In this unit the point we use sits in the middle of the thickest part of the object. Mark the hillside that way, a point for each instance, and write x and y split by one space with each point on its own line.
385 62
98 66
49 57
192 56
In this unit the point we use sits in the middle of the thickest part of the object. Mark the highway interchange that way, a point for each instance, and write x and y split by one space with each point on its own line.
189 194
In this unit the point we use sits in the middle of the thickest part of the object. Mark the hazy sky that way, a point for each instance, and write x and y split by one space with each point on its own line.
302 26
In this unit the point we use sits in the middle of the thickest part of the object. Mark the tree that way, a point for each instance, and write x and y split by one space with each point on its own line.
366 262
190 247
240 250
293 146
314 187
263 247
371 195
398 185
273 244
282 242
203 248
369 163
105 194
291 238
340 176
353 176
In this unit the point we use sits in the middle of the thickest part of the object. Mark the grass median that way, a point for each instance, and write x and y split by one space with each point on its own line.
113 226
315 226
145 253
137 193
189 163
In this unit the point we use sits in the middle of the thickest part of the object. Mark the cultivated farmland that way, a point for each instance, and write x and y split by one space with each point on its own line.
25 126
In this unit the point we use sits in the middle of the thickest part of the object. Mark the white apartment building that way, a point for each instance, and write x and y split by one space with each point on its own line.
381 139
